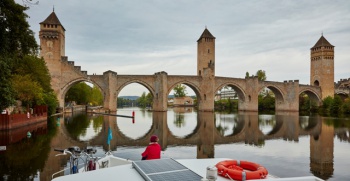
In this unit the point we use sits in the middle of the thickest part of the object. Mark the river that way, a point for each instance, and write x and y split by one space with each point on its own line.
287 144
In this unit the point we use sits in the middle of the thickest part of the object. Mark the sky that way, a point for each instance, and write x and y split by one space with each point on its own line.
141 37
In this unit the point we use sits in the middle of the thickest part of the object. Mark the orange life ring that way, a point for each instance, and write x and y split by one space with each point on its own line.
241 170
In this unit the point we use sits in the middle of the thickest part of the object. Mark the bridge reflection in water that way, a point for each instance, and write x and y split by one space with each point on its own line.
208 129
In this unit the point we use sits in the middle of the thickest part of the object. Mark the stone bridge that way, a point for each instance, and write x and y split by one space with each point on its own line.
160 84
64 74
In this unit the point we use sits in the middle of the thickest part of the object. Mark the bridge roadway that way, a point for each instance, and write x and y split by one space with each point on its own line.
160 85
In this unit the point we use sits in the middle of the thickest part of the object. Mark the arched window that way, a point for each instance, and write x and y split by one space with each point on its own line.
316 83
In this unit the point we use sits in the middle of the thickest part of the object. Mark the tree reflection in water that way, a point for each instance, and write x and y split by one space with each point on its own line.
179 120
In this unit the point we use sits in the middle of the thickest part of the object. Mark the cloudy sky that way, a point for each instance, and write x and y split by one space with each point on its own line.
148 36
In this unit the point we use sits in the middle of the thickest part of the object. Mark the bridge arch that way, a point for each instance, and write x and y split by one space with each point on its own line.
67 86
143 83
279 96
195 88
240 91
312 95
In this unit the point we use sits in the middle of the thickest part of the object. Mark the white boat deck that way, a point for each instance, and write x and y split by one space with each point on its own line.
127 172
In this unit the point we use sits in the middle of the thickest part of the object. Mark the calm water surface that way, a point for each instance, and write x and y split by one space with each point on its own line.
286 144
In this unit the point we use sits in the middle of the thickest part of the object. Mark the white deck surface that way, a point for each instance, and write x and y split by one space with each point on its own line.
127 172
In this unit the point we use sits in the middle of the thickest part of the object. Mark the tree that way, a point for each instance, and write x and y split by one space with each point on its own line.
6 89
180 90
145 100
335 108
17 38
18 56
36 68
79 93
261 75
95 98
27 90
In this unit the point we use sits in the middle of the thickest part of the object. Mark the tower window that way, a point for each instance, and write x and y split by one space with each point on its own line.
316 83
208 50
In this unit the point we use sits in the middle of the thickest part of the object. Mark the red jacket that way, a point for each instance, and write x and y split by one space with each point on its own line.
152 151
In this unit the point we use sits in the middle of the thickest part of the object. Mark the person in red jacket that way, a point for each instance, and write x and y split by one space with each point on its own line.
153 149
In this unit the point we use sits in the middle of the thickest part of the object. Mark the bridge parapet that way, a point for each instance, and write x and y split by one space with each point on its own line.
77 69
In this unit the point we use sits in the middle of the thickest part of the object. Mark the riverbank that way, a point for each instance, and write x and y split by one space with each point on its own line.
17 120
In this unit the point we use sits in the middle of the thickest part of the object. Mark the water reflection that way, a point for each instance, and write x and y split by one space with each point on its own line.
206 129
281 138
203 128
23 157
83 127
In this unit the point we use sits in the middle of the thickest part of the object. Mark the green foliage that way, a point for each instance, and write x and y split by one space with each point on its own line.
145 100
23 75
346 106
179 120
83 94
122 102
261 75
95 97
327 102
16 40
37 70
50 100
16 37
6 90
180 90
226 105
307 105
266 102
335 106
27 90
78 93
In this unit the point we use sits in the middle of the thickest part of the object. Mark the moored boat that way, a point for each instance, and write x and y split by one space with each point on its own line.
161 169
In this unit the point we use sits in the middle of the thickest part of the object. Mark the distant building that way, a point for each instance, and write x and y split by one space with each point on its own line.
226 94
183 101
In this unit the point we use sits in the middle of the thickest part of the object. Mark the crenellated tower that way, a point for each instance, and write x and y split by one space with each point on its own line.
52 46
322 67
206 70
206 54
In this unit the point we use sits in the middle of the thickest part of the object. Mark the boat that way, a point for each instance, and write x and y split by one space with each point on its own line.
115 168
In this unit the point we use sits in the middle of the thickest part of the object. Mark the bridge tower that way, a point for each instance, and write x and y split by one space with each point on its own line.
206 70
52 45
322 67
206 54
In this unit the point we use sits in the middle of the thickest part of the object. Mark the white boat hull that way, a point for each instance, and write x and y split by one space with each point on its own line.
118 169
